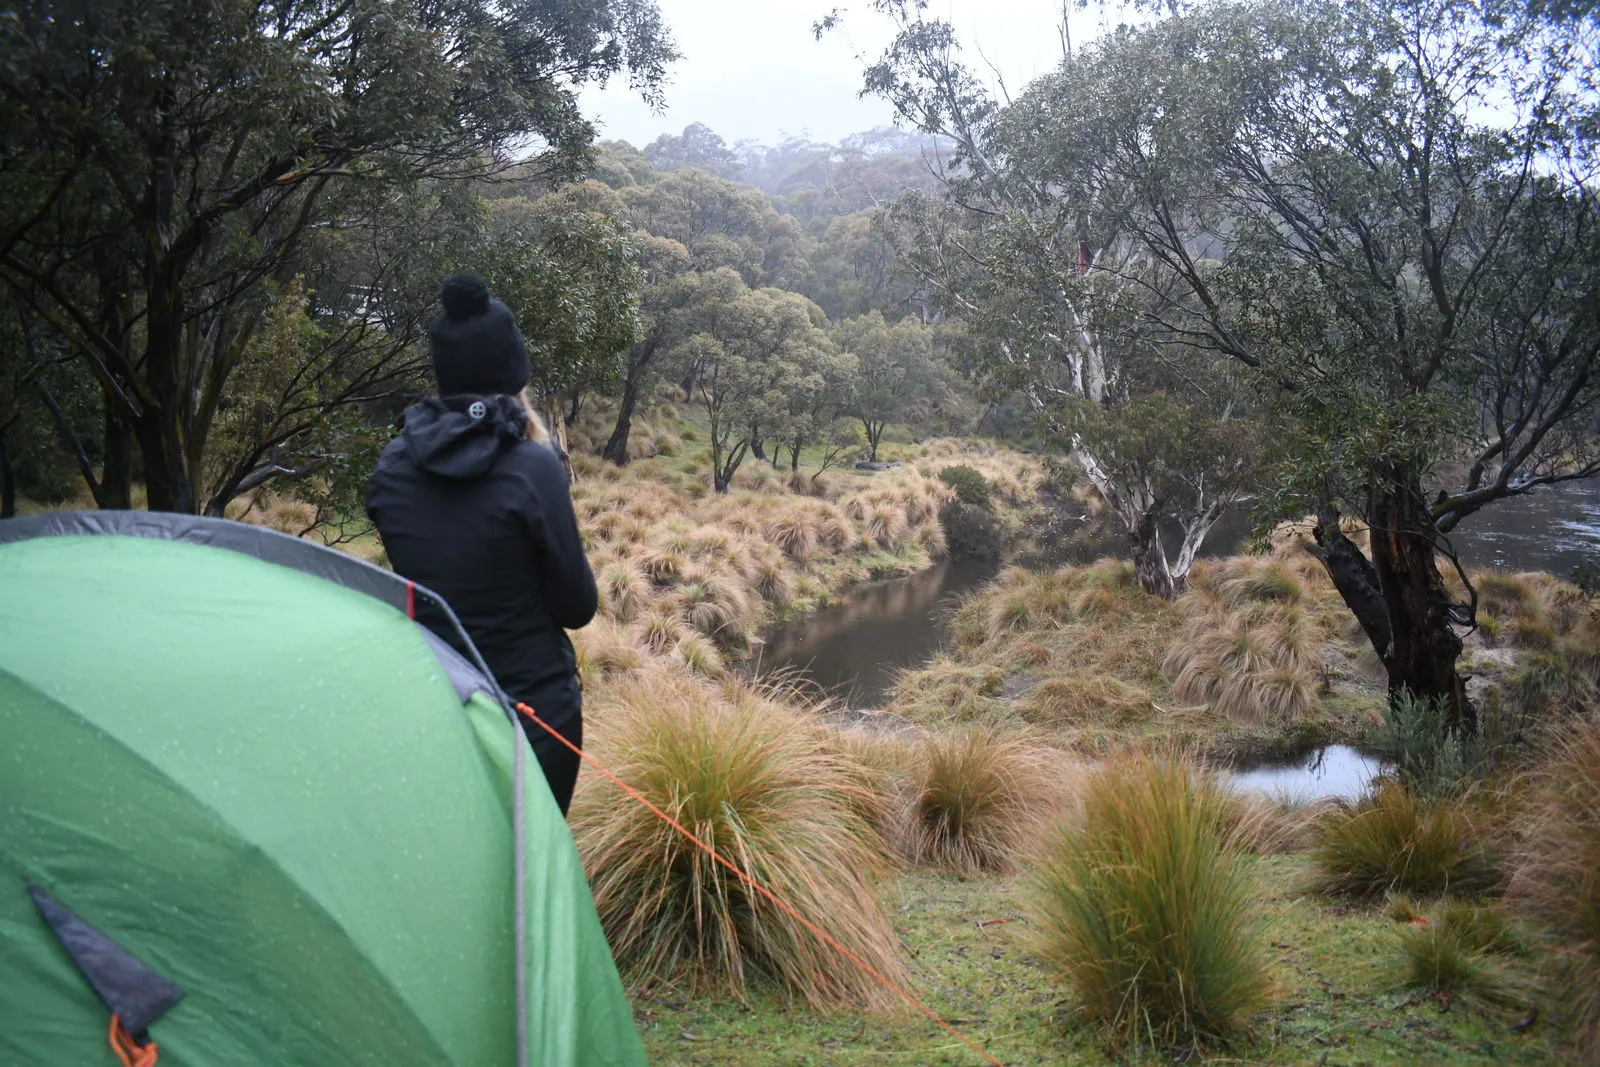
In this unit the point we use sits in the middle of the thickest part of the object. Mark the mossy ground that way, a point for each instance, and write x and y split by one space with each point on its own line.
1338 968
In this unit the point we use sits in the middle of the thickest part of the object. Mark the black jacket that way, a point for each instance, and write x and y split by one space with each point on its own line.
471 509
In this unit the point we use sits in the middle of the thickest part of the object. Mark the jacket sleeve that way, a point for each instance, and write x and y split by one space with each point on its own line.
568 582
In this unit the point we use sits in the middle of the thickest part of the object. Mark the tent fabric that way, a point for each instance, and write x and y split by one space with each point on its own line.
266 787
257 541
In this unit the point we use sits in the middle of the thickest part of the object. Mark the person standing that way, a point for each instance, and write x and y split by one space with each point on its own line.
472 501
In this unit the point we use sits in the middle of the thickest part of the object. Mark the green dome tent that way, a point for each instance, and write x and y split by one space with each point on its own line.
249 804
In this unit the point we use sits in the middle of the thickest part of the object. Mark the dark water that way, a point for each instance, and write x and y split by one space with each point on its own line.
855 649
1552 530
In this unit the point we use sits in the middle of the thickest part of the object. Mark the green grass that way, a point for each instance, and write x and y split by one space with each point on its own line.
1394 841
1146 906
1341 1000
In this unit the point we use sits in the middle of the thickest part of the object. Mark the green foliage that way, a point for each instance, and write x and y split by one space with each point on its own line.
970 532
1586 576
897 375
1145 906
970 485
323 140
1394 841
572 278
1430 753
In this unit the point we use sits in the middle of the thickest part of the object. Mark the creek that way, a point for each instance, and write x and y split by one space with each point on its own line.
855 649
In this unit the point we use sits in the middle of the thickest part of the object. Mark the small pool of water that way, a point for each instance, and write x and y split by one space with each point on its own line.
854 650
1337 771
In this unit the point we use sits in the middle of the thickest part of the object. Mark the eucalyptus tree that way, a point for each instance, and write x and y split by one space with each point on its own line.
164 167
753 358
1056 301
1386 215
897 373
572 277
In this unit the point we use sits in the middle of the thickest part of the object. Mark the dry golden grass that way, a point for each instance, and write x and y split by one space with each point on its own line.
624 589
1556 879
974 794
605 648
1253 656
1082 699
760 781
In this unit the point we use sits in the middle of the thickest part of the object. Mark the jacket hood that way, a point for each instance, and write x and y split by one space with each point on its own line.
462 436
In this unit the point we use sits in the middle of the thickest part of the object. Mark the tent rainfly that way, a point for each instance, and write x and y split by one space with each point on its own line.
259 815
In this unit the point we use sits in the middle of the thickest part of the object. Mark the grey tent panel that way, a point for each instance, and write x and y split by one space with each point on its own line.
134 993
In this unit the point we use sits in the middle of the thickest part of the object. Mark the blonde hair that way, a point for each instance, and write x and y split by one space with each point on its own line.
536 427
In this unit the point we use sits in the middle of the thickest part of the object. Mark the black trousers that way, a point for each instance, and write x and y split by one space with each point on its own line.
559 763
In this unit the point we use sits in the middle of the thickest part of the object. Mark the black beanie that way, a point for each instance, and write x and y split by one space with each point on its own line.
476 346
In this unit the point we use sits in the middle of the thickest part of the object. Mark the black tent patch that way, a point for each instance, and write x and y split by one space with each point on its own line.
136 995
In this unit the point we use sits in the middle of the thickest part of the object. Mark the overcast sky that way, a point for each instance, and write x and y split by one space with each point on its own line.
751 68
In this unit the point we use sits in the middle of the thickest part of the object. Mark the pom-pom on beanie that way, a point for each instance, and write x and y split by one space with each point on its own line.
475 344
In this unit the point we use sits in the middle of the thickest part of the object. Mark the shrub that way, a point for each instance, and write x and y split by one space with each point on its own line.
1144 905
759 782
972 791
1557 878
1586 576
1394 842
1420 739
970 532
970 486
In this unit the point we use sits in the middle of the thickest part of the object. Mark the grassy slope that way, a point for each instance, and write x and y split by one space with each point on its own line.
1338 970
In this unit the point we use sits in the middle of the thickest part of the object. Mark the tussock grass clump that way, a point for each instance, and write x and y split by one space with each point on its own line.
1252 666
1507 596
1085 698
700 656
761 783
795 532
1262 581
1438 962
1145 907
1557 878
624 589
773 583
973 792
1460 952
1549 682
945 692
605 648
1392 841
661 629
